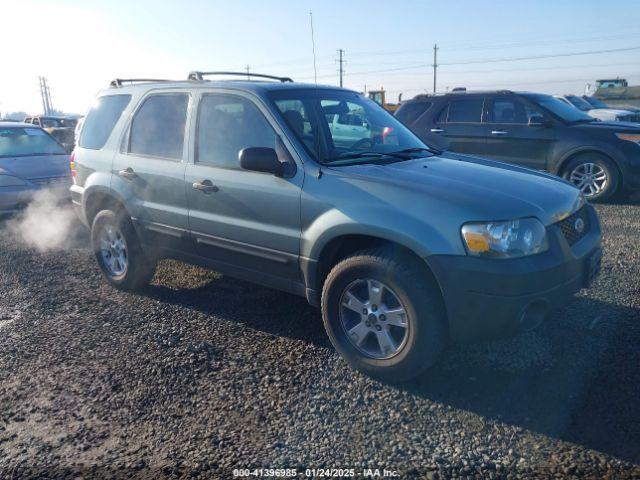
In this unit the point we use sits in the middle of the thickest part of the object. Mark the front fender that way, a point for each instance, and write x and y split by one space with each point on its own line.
387 224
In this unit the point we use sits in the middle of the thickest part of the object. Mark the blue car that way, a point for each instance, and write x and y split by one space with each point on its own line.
30 160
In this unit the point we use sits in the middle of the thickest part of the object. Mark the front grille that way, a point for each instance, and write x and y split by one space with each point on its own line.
570 226
629 118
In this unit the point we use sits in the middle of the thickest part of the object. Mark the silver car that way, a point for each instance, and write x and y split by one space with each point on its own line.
30 160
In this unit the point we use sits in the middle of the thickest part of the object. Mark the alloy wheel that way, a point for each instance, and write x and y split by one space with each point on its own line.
113 250
373 318
590 178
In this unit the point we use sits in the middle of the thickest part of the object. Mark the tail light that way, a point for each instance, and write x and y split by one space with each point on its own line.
72 165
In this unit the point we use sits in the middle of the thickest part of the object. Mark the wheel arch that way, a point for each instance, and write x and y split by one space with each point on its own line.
342 246
584 150
98 199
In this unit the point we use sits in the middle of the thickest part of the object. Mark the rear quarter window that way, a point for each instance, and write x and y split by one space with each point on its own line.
101 119
410 112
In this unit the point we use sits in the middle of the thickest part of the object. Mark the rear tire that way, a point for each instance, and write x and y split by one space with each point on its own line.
594 174
118 252
362 337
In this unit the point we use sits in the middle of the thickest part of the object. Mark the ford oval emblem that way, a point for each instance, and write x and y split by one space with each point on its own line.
578 225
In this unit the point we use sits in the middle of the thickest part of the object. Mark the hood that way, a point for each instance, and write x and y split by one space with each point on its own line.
477 189
36 166
608 113
628 127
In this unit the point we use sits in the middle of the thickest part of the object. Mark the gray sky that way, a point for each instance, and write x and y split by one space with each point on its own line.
81 45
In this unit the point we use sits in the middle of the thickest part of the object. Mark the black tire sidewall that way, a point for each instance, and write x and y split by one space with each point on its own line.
425 337
604 163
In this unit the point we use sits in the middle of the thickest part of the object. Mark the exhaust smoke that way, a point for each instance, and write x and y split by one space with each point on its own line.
47 223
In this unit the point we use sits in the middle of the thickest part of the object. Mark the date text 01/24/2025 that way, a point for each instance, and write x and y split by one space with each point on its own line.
315 473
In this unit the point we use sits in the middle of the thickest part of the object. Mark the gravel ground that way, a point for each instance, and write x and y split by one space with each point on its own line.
201 374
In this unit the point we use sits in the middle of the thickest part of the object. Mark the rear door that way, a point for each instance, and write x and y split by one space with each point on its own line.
511 139
149 168
460 124
242 220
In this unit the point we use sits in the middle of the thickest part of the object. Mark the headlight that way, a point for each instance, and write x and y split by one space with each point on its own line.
9 181
514 238
630 137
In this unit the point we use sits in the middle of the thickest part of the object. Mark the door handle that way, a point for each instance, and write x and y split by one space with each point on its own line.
128 173
205 186
436 130
498 132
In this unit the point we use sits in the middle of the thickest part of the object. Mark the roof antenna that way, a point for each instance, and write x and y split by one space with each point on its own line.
313 46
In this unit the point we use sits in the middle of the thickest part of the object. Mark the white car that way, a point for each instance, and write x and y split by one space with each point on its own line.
604 114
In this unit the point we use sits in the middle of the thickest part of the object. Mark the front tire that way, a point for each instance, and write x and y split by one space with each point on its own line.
118 252
385 318
595 175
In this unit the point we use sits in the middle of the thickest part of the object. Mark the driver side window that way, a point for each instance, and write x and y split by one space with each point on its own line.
226 125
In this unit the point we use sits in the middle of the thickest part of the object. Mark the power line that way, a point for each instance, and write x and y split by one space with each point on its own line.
457 46
490 46
536 57
491 60
509 84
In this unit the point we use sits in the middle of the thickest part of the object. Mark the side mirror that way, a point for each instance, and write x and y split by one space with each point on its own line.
261 159
538 121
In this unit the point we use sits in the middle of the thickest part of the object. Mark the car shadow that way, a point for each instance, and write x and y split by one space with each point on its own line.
630 199
576 378
271 311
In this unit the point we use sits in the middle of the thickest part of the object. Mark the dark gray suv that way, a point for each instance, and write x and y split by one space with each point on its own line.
320 192
533 130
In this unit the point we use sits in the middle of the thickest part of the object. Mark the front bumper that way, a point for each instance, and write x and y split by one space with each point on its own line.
487 298
16 199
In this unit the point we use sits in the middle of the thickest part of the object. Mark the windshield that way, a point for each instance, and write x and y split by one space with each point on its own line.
579 103
559 108
596 103
58 122
17 142
338 124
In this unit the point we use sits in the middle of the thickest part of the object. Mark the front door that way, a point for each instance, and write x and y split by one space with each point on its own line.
511 139
148 170
238 218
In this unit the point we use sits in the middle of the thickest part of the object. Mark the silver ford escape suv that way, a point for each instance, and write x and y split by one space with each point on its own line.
319 192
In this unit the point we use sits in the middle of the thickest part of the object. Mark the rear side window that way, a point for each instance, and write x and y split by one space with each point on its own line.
101 119
410 112
468 110
157 128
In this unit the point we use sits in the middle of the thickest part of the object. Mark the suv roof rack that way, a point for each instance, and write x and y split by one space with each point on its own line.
119 81
195 75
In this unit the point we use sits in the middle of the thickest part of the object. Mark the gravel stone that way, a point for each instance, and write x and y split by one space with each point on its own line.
200 374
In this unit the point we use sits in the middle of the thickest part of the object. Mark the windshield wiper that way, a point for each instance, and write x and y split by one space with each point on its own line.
435 151
369 153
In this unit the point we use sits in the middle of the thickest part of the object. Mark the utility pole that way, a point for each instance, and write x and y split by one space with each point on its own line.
248 69
45 93
341 62
435 65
